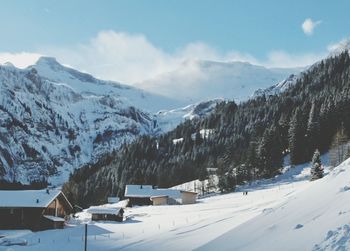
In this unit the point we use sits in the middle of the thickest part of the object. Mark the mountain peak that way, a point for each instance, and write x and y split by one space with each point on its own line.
9 64
48 61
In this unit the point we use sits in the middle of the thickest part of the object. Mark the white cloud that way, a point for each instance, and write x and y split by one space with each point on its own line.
132 58
20 60
309 25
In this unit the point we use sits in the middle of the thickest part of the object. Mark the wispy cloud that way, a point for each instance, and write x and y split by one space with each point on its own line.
132 58
309 25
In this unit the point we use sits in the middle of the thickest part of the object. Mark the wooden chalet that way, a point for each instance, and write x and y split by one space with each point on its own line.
147 195
99 213
33 209
139 194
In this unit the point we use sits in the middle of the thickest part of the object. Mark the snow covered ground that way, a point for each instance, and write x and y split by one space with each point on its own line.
301 215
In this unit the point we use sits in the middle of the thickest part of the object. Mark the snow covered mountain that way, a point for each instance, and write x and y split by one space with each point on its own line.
195 81
54 119
88 86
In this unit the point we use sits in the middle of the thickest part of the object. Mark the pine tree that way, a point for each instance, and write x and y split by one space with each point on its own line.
270 153
252 160
296 137
337 151
316 169
313 129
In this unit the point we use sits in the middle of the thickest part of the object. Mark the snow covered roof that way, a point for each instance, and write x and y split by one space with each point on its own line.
27 198
54 218
176 194
147 191
103 210
143 191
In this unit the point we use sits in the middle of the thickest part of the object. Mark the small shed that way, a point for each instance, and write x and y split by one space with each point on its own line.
188 197
147 195
160 200
101 213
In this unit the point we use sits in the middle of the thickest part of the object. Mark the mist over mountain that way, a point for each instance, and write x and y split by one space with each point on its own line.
197 80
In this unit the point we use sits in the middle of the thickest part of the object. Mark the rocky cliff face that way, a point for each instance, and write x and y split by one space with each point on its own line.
54 119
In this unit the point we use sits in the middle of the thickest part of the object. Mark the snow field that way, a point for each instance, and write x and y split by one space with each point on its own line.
176 227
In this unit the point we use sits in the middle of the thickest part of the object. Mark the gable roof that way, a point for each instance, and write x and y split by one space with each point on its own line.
103 210
140 191
147 191
29 198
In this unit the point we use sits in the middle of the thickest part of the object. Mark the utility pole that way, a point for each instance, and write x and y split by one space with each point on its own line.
85 237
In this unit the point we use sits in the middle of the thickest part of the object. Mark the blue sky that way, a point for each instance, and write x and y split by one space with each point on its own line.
253 29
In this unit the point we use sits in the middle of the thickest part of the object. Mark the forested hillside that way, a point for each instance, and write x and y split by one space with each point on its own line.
244 142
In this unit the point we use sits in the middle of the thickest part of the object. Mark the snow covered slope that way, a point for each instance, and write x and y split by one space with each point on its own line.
188 227
285 213
315 219
169 119
277 88
196 81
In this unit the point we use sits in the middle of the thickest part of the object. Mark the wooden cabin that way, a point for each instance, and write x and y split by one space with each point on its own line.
33 209
159 200
188 197
139 194
147 195
100 213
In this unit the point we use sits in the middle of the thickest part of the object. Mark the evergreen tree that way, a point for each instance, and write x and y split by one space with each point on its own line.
316 169
252 160
269 153
338 151
296 137
313 128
